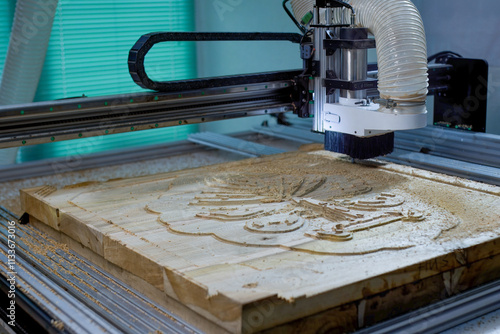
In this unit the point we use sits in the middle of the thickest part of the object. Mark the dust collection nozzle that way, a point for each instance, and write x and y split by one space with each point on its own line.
359 129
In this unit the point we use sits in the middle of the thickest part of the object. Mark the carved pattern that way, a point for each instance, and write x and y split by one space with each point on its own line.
308 204
45 191
338 219
262 210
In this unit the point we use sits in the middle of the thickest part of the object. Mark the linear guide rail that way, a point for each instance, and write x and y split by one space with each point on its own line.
44 122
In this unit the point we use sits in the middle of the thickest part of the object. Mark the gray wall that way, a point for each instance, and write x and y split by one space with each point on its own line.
225 58
220 58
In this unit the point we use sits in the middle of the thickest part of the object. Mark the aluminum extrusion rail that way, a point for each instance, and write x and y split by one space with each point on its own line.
77 296
475 156
305 136
43 122
54 166
467 170
233 145
473 147
444 315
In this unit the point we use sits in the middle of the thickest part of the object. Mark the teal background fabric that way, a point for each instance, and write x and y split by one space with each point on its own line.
7 8
90 41
88 54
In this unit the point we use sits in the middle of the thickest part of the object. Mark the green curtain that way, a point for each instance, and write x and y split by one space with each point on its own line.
88 54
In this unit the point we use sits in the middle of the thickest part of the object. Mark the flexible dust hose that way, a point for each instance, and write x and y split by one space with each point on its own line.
28 44
300 8
401 46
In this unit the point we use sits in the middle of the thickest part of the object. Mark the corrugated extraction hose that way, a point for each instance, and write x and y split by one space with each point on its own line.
401 45
28 44
301 7
23 66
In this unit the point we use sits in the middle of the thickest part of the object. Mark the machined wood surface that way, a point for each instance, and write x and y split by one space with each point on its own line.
302 241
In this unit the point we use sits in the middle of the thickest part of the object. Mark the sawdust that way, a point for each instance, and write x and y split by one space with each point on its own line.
49 250
311 147
489 323
480 215
345 178
57 324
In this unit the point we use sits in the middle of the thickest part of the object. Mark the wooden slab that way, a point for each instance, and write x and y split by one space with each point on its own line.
294 242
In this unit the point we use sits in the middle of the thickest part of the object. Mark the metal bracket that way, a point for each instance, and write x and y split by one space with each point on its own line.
329 3
368 121
315 68
391 104
350 85
334 44
302 96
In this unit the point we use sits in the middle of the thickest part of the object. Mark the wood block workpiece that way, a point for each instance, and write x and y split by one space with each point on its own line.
297 242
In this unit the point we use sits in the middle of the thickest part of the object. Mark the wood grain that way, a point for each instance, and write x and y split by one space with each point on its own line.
307 237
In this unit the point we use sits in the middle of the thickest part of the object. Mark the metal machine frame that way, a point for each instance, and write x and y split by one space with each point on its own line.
461 151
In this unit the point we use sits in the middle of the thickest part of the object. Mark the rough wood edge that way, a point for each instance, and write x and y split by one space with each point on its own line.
380 285
140 285
31 198
383 306
109 246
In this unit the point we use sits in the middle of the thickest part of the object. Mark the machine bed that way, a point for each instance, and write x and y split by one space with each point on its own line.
191 156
